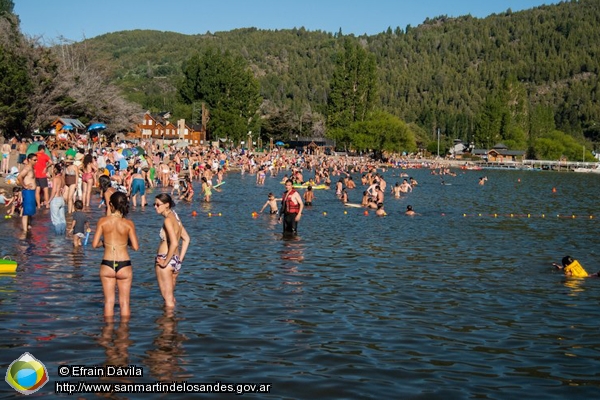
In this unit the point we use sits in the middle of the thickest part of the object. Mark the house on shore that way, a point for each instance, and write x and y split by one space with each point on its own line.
499 153
158 127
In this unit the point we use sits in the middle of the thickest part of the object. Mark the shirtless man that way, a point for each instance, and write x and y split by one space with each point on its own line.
22 148
26 179
405 187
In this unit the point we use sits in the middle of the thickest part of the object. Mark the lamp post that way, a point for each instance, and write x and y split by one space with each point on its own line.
250 140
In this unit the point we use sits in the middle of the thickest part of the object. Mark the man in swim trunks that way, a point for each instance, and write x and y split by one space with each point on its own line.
22 148
26 179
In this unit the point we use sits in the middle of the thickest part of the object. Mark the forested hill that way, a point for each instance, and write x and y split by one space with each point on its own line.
446 73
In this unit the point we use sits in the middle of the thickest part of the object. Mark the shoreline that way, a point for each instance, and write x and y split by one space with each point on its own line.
525 165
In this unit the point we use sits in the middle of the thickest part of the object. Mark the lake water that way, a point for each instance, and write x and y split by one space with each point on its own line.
458 302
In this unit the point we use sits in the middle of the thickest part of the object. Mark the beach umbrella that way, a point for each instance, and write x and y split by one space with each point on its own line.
126 152
140 150
279 143
33 148
95 127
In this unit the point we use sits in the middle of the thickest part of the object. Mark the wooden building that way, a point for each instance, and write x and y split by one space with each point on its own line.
499 153
158 127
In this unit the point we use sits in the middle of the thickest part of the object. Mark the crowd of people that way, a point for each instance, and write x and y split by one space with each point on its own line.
65 182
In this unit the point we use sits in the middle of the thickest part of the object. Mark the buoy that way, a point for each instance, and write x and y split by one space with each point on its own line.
345 212
219 214
324 212
519 180
553 190
210 214
464 215
528 215
366 212
194 213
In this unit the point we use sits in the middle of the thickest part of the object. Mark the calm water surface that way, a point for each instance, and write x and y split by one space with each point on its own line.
458 302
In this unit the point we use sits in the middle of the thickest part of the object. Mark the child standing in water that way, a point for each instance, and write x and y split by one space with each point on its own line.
80 225
272 203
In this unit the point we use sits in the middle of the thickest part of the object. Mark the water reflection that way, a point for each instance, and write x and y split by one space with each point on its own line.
165 357
115 342
575 285
353 307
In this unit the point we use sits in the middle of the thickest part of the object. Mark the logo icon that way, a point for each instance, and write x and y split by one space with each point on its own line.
27 374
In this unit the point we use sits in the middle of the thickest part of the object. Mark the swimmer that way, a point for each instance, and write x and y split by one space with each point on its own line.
409 211
272 203
380 211
573 269
170 254
309 196
115 233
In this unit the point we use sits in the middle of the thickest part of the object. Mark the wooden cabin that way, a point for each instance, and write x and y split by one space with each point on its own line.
158 127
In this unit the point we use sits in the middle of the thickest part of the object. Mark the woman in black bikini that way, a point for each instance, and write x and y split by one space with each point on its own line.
115 268
169 257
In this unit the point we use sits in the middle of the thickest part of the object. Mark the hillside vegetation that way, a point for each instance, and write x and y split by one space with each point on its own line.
437 75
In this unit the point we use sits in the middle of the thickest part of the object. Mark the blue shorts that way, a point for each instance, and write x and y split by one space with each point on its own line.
29 204
138 185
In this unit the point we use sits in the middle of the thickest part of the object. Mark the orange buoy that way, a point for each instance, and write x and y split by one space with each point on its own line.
553 190
194 213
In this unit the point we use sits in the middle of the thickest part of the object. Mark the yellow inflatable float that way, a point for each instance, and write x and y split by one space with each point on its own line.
7 266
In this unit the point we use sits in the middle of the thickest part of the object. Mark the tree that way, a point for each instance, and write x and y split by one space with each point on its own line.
353 87
225 83
15 87
6 7
382 132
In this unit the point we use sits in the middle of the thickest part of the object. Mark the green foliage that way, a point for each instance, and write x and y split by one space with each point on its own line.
353 86
382 132
229 89
15 87
6 7
557 145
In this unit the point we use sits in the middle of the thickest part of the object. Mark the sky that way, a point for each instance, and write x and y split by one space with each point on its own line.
84 19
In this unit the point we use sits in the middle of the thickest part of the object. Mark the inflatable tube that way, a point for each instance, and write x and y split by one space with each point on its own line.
7 266
219 184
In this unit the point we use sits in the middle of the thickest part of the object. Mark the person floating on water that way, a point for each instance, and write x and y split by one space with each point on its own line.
573 269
